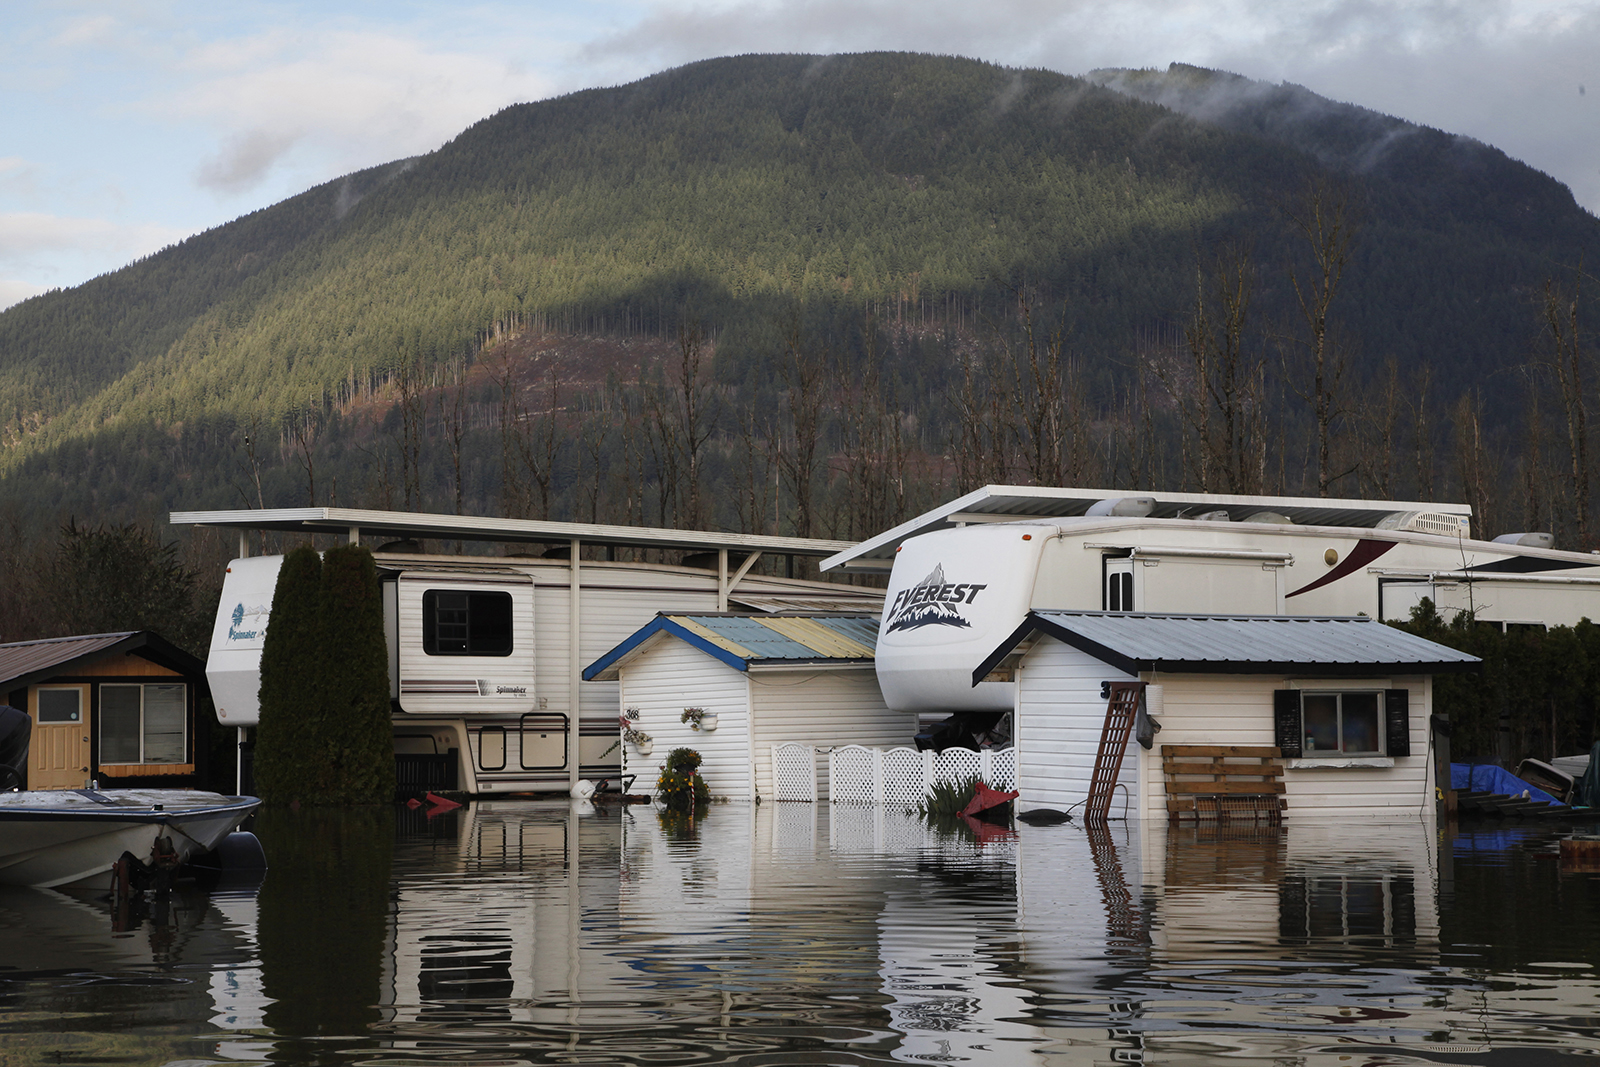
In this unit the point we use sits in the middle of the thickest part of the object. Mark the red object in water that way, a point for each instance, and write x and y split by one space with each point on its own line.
439 804
413 803
987 831
986 798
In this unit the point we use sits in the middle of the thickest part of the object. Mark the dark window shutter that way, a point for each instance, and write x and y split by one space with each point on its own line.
1397 710
1286 721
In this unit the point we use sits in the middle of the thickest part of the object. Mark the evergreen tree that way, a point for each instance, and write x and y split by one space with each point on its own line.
107 579
288 741
352 665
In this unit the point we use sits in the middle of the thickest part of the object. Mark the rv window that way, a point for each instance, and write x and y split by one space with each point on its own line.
456 622
143 723
1344 724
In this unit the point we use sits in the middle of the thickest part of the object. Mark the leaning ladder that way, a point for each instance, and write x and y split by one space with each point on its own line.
1120 712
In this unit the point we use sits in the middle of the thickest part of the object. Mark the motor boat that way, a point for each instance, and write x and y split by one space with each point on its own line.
63 837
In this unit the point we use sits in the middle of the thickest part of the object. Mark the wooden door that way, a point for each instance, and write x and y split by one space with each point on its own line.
59 755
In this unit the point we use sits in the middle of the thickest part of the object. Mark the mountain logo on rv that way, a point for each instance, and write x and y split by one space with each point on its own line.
257 615
932 602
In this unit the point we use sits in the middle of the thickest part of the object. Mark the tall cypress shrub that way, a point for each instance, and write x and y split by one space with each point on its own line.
353 668
287 734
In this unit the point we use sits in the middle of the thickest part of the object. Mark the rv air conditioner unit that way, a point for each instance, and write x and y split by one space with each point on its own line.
1220 515
1123 507
1268 516
1527 540
1429 522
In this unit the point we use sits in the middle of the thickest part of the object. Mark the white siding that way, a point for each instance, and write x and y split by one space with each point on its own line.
671 676
828 707
1060 714
615 600
452 685
1213 709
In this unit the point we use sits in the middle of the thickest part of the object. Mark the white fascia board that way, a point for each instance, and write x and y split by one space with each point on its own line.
478 528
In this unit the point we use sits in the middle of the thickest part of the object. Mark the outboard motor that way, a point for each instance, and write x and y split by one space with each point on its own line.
16 731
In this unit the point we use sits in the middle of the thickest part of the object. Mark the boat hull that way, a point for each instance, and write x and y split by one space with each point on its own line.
73 837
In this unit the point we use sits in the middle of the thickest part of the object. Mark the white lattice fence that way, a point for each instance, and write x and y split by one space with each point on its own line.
794 772
898 778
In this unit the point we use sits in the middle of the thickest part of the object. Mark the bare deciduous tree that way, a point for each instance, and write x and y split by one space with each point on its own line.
1567 359
1324 220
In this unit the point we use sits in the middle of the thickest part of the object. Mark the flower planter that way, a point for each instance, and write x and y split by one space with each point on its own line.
708 722
646 748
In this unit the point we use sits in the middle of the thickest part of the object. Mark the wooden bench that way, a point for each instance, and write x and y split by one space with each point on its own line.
1224 781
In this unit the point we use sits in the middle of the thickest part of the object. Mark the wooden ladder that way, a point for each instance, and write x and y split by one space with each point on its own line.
1120 711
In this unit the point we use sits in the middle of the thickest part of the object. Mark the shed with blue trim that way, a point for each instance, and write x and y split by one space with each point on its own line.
758 680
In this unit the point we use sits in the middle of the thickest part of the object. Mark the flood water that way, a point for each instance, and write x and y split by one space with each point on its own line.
541 932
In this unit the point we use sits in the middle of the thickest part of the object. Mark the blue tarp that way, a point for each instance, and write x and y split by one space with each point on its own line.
1487 778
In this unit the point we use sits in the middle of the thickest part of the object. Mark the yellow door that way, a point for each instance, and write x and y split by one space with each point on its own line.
58 757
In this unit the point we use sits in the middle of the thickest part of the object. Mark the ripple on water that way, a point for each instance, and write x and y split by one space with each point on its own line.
533 933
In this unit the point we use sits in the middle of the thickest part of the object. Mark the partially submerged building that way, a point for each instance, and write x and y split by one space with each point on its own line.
737 686
1324 716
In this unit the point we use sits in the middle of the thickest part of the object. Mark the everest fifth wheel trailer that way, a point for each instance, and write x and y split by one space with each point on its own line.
964 576
486 651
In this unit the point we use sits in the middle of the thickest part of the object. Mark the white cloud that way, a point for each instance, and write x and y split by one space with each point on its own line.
347 99
15 292
30 242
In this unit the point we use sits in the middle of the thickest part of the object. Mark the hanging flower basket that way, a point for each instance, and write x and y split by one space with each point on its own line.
637 738
699 719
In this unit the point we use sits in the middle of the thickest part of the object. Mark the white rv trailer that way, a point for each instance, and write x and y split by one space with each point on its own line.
484 670
965 575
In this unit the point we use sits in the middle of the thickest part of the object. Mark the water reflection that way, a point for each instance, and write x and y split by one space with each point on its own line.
544 932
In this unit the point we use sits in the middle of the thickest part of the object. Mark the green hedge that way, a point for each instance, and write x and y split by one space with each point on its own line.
1545 683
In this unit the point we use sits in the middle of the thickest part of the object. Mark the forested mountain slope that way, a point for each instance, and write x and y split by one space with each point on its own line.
759 196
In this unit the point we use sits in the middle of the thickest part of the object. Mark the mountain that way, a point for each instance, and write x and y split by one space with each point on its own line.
763 197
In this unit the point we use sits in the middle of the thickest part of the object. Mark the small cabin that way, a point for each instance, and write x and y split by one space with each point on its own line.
1323 717
114 708
754 681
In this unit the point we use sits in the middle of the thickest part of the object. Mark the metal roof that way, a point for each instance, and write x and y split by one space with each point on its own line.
740 640
1237 644
404 524
24 662
999 503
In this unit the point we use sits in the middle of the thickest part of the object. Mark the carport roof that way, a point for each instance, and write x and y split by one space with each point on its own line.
1236 644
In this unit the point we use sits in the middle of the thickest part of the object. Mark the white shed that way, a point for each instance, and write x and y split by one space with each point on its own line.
1345 702
768 680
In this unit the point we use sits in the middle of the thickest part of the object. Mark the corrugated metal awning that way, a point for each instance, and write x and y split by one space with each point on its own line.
25 662
1237 644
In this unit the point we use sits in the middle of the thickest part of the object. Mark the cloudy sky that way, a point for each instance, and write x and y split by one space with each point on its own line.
126 125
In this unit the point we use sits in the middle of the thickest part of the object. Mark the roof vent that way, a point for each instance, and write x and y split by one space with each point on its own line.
1527 540
1268 516
1219 515
1442 523
1123 507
